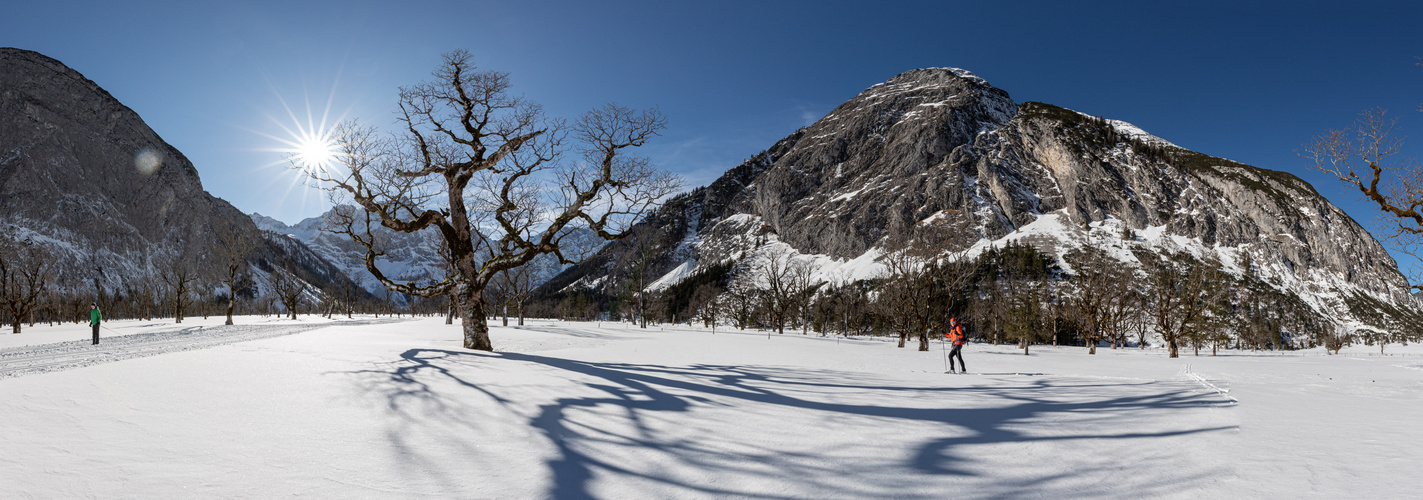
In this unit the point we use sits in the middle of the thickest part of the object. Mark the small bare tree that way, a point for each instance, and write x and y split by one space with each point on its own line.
803 288
25 277
234 244
707 300
774 280
901 296
1101 296
638 269
740 302
485 168
287 288
180 276
1183 291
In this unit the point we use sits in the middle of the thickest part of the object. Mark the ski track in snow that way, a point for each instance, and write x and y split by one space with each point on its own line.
1225 393
43 358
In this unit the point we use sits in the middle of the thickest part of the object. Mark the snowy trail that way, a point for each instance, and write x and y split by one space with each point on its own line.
33 359
1191 374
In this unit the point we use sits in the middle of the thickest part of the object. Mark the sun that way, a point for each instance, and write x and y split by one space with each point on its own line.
314 152
309 145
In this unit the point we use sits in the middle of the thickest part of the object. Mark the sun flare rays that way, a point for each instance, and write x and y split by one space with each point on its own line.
308 143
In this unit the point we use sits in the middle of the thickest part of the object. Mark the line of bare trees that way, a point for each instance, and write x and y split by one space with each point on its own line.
1011 294
232 280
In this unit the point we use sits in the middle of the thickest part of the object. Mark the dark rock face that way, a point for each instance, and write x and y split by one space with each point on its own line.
938 157
82 172
875 165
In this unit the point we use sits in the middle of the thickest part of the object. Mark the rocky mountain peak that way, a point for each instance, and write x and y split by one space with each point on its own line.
939 159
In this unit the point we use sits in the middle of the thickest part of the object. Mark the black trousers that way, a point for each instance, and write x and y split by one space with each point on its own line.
96 334
955 353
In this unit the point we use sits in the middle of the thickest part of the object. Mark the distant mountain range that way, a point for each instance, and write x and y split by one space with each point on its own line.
411 257
939 155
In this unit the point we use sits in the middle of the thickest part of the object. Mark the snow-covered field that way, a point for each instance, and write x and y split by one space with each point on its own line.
361 409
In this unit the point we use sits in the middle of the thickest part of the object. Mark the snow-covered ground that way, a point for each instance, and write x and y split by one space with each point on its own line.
358 409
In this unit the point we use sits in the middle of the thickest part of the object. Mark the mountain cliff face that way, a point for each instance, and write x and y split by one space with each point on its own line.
82 174
939 158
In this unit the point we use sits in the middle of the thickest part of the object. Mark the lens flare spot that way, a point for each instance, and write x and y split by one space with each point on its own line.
147 161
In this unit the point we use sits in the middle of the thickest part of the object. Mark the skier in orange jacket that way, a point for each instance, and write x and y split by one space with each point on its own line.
956 335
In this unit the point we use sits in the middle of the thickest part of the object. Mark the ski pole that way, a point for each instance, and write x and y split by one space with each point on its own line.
946 353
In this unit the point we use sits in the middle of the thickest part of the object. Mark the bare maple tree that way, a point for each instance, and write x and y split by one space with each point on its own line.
234 244
181 277
803 288
775 280
1101 297
707 298
517 285
1366 156
25 276
287 287
490 172
1181 295
918 291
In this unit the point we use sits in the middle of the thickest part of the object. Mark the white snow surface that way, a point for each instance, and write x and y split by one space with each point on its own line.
676 275
588 410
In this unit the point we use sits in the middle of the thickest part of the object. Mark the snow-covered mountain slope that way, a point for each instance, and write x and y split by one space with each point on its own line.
409 257
936 159
83 176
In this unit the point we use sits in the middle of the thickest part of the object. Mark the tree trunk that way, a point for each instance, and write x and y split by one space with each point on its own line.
230 304
1174 349
472 314
1091 346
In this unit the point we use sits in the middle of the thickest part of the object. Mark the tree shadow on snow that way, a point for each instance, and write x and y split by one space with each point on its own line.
642 393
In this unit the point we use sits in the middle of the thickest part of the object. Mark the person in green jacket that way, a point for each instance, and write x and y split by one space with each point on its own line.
94 318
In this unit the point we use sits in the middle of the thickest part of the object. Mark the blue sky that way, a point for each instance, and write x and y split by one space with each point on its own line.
1250 81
